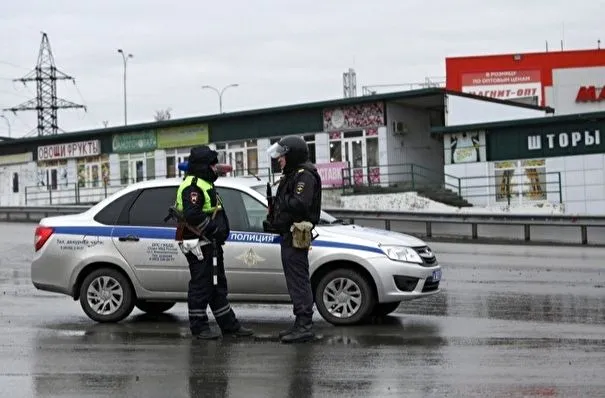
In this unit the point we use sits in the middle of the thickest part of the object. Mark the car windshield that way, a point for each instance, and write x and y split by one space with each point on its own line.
324 218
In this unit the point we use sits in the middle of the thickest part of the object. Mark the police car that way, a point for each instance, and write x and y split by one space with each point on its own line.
121 254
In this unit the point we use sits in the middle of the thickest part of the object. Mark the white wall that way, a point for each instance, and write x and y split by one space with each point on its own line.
415 146
566 83
26 173
463 110
477 188
583 181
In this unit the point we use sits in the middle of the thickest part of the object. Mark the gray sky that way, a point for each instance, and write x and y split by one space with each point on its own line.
280 52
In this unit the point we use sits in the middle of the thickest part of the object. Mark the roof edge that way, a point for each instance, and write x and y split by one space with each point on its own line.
546 120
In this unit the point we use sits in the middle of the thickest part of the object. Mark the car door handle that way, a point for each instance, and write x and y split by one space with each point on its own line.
129 238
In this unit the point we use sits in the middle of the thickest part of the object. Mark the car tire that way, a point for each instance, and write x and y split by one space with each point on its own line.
384 309
154 307
328 304
112 304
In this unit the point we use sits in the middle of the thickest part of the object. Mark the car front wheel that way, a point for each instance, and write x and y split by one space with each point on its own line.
344 297
106 295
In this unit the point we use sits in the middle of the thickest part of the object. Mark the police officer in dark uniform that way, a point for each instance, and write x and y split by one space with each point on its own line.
201 208
298 199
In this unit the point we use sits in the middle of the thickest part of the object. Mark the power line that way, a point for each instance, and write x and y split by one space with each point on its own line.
46 103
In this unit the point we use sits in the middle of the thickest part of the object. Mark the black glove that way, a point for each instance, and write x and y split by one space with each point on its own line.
268 227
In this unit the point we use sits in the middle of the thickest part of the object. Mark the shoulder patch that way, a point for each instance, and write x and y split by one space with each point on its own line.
194 197
300 170
300 187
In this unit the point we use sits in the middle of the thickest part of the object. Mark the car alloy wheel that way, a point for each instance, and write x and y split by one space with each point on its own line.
344 297
106 295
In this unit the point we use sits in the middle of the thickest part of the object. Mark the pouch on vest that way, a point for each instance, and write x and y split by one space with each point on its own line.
301 234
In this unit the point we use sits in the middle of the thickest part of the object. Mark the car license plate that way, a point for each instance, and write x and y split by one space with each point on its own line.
437 275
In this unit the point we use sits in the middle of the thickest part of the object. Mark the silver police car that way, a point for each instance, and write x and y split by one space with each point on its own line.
121 253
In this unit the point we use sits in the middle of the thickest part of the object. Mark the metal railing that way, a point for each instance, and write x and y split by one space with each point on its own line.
91 192
392 178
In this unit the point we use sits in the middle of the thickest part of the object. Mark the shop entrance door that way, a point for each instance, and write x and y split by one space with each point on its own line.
355 153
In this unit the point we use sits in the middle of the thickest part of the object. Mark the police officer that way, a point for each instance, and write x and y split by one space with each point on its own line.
202 209
298 199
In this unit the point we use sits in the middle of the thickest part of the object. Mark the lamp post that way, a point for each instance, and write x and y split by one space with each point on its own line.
125 59
8 124
220 94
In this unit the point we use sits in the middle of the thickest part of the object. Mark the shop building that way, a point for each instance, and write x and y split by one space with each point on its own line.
532 161
568 81
353 141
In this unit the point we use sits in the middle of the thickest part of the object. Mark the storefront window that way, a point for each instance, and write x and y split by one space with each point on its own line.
242 156
372 150
93 171
523 180
335 151
136 167
173 158
53 174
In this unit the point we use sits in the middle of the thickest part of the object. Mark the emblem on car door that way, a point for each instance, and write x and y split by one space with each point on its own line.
250 258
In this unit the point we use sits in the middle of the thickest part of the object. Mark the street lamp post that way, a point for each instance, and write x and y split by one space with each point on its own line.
125 59
8 124
220 94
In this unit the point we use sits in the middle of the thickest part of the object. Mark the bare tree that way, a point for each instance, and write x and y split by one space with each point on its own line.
162 114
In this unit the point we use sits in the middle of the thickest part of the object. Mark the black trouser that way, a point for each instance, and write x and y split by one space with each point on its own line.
202 291
296 270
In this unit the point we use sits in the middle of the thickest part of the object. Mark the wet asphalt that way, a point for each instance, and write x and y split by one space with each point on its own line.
511 321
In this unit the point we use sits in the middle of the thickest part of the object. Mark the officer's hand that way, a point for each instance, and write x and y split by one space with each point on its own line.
268 227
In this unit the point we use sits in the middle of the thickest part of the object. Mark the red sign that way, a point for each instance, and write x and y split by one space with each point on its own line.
591 94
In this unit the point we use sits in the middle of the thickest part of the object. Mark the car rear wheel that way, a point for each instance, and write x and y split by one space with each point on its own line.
154 307
384 309
344 297
106 295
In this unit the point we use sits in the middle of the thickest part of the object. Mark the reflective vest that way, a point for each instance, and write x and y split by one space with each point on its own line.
205 187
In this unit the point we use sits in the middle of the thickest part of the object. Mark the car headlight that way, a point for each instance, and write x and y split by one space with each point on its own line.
402 253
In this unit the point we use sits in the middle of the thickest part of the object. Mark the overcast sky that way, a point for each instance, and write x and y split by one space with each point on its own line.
280 52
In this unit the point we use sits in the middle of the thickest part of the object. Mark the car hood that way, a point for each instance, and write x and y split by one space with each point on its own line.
376 235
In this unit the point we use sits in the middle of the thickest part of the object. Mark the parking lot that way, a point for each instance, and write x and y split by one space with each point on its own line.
511 321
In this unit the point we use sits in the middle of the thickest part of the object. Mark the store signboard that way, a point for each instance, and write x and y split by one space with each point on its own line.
69 150
183 137
134 142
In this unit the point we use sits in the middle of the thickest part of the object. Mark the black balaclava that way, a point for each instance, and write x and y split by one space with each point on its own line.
200 160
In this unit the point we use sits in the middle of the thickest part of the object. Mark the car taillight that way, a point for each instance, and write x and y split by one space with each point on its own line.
42 235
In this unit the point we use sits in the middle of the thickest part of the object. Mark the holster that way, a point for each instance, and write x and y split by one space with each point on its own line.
302 235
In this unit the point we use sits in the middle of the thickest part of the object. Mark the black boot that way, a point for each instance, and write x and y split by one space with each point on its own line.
207 334
301 333
289 330
241 332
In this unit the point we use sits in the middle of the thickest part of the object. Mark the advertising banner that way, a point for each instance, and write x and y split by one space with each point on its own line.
523 85
331 173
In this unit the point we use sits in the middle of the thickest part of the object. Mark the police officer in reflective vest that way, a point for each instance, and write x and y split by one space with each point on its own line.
295 211
202 209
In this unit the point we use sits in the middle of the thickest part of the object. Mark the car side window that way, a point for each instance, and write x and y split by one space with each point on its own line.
110 214
151 207
244 212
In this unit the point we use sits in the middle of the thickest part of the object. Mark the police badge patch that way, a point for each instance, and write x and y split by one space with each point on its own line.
193 197
300 187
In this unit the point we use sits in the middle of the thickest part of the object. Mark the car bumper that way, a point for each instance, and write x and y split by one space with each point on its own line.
51 276
400 281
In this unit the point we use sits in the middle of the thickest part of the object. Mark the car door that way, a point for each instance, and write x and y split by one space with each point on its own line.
252 257
147 242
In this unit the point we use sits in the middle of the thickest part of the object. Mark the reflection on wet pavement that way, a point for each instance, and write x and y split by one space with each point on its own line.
504 326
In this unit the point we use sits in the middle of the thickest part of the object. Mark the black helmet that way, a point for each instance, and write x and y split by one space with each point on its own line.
293 147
